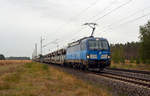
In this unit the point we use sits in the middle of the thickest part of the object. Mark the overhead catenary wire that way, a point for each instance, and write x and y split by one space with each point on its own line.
50 43
100 18
100 12
79 14
105 8
84 10
76 16
133 20
124 18
127 17
122 5
140 17
93 16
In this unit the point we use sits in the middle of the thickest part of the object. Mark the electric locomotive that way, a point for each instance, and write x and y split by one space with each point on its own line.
88 53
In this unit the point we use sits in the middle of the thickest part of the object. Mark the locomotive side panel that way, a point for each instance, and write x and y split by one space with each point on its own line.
90 53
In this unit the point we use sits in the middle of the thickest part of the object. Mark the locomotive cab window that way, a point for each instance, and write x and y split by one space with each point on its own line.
98 45
83 45
105 45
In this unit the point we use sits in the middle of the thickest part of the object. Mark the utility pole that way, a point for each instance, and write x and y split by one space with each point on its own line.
41 45
34 54
36 50
93 26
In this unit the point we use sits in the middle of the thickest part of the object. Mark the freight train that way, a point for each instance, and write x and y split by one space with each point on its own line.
86 53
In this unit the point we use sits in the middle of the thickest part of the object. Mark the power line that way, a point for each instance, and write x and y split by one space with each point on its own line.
80 13
133 20
136 19
50 43
113 10
127 17
95 15
107 7
91 5
76 16
84 10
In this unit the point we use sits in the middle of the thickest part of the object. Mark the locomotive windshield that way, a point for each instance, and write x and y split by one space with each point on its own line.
98 45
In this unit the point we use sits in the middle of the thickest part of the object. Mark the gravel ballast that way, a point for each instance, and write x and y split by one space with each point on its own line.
118 87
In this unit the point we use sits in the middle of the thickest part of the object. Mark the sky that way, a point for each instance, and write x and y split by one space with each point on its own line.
59 22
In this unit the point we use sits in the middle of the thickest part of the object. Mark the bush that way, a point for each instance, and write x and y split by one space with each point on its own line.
116 60
148 61
137 61
143 61
122 60
131 60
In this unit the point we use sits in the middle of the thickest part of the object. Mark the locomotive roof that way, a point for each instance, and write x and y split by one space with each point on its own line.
85 38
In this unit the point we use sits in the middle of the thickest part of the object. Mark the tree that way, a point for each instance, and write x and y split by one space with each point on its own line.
117 53
145 41
137 61
2 57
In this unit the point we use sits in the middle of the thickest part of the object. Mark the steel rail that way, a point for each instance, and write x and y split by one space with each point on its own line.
127 79
127 70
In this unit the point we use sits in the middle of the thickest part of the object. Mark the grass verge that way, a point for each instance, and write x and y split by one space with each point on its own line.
131 66
35 79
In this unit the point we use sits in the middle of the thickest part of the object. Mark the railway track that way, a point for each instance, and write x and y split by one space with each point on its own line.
131 85
140 78
132 80
131 77
131 71
141 75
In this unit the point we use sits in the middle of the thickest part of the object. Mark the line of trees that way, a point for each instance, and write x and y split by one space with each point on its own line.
127 51
2 57
18 58
134 51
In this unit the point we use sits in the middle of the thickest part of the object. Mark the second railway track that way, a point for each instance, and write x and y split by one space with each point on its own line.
136 77
140 78
127 79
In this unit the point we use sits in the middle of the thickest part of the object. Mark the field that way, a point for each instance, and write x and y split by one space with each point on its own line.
27 78
132 66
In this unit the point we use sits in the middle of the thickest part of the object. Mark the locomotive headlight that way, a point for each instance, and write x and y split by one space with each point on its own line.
87 56
91 56
108 57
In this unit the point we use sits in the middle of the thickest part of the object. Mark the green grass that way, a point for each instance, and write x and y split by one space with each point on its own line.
35 79
131 66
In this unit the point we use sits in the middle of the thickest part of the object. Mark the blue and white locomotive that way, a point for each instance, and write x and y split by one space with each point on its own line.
86 53
89 52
